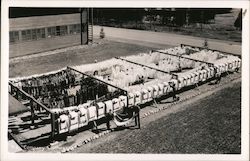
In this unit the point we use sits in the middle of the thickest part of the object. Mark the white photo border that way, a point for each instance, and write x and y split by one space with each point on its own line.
5 155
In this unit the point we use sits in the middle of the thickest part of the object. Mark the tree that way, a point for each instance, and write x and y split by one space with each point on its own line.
238 21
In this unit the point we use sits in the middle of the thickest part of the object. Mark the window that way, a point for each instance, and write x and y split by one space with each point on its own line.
40 33
43 33
33 34
63 30
26 35
57 31
51 31
74 29
29 34
14 36
23 35
71 29
78 28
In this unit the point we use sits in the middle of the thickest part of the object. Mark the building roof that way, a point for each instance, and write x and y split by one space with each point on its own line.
16 12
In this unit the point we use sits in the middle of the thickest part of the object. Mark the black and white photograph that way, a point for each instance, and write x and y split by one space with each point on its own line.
125 80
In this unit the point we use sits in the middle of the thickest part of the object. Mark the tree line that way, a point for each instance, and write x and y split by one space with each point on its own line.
161 16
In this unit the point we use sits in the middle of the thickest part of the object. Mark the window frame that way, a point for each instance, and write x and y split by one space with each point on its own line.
74 29
14 37
51 31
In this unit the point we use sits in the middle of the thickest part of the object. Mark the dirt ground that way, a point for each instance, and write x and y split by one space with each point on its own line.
208 125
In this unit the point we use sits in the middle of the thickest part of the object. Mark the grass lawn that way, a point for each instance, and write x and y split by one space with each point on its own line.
211 125
102 51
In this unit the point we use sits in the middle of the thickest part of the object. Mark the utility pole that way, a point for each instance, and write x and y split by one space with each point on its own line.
81 26
88 26
90 16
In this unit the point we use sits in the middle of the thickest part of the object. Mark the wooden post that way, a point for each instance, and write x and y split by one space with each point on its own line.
11 89
52 125
87 25
19 94
81 28
97 95
16 95
16 140
126 94
155 103
92 24
32 112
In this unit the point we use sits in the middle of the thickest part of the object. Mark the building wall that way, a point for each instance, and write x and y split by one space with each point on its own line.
31 47
30 35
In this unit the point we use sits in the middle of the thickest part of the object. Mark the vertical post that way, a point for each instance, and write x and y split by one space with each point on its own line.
87 26
68 30
32 112
97 95
20 35
240 18
92 23
81 26
52 125
11 89
137 118
18 94
126 94
92 16
15 93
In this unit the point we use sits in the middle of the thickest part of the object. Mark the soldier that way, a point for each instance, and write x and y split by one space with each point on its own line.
78 97
172 85
137 116
205 44
102 34
217 76
109 117
95 127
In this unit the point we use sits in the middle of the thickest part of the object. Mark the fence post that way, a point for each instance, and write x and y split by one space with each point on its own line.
16 93
52 125
126 94
32 112
11 89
